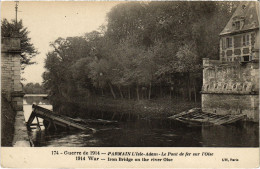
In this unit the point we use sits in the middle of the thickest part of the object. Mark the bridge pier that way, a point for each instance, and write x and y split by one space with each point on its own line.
11 69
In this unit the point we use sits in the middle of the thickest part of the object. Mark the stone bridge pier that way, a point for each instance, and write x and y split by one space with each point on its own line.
11 68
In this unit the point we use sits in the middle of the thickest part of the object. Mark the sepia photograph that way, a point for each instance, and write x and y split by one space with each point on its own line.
130 74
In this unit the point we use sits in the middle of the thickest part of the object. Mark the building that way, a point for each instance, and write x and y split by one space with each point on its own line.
239 40
231 84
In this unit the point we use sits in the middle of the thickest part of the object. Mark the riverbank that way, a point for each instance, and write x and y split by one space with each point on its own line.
7 123
148 109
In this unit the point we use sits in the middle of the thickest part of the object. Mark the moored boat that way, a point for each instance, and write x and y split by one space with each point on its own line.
197 117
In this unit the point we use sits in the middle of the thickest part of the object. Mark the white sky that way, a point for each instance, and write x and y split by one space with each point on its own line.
47 21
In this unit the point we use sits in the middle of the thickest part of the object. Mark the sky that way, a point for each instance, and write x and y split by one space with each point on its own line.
47 21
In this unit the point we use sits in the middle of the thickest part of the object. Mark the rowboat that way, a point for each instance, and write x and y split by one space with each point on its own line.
197 117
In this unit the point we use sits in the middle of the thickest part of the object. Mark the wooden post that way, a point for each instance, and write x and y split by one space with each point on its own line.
137 92
49 126
129 115
129 94
38 123
54 126
121 116
113 116
150 90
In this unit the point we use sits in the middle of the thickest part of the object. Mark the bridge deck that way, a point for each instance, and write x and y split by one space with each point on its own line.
54 119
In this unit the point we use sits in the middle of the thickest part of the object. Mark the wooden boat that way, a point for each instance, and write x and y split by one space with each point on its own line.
196 117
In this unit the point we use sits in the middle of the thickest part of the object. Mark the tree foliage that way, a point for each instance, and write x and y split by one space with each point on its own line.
34 88
147 49
13 29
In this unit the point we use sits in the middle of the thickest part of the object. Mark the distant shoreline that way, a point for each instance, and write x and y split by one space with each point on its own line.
39 95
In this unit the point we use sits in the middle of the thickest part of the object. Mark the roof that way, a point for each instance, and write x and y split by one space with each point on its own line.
248 13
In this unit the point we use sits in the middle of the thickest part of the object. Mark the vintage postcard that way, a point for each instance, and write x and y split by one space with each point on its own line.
130 84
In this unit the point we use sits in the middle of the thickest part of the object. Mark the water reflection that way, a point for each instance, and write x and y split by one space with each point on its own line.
237 135
141 134
149 133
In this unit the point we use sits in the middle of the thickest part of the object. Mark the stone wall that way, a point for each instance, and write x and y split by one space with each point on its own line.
231 88
231 104
10 76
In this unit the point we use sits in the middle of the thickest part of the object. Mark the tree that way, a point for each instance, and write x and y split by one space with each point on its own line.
155 45
188 63
31 88
63 76
125 20
13 29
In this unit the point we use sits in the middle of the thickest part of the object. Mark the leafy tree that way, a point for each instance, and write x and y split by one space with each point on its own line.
155 45
61 79
34 88
13 29
188 63
125 20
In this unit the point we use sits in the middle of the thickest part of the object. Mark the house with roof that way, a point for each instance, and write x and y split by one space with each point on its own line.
239 40
231 84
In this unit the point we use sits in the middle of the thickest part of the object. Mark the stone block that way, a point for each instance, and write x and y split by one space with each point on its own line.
18 87
16 68
17 63
15 58
16 72
16 77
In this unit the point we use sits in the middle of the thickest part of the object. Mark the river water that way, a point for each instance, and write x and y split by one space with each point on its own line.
144 133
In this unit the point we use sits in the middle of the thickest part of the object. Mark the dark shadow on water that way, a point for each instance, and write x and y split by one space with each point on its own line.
154 133
242 134
134 132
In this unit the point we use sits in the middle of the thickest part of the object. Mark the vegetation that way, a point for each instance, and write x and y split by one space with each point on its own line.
147 50
31 88
13 29
7 123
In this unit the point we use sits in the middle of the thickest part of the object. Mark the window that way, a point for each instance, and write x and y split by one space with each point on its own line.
246 41
246 58
229 42
237 25
223 44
